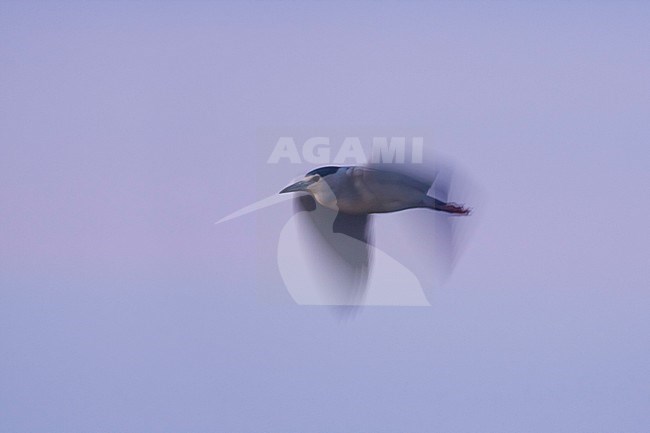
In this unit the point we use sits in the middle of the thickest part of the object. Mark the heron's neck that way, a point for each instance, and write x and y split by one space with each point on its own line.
324 195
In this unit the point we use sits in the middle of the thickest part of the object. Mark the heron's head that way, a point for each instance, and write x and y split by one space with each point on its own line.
311 180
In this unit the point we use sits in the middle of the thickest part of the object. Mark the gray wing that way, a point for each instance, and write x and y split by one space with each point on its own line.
387 190
418 176
342 242
429 245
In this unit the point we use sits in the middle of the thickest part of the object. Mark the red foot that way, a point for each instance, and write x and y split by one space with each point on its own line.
455 209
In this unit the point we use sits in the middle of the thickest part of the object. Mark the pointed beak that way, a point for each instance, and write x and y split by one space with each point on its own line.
301 185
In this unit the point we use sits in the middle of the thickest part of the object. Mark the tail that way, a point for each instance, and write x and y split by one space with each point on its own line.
440 189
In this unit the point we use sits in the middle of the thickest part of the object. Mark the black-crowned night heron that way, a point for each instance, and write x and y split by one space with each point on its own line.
338 203
365 190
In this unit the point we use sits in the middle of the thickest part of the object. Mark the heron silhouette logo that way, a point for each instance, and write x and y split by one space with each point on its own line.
328 252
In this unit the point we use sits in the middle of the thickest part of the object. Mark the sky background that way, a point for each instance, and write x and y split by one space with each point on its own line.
128 128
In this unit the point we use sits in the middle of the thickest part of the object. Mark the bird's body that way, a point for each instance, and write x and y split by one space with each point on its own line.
363 190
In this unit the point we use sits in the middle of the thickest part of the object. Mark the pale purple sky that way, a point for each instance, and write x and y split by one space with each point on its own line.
128 128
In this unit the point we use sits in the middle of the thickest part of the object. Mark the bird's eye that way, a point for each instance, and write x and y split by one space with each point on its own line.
316 178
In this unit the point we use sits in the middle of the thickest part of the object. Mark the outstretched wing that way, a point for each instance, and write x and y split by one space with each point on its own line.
429 245
342 242
418 176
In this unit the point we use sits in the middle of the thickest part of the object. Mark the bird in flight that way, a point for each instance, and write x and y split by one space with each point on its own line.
365 190
337 203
